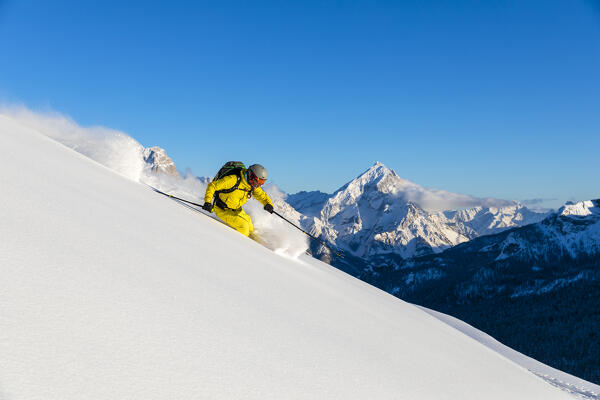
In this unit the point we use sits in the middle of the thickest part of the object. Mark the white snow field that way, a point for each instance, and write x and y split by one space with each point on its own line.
111 291
581 389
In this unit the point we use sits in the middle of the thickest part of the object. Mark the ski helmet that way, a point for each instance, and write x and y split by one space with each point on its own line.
257 175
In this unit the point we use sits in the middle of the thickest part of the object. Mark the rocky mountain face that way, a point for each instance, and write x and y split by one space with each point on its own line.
478 221
380 215
536 288
158 162
538 256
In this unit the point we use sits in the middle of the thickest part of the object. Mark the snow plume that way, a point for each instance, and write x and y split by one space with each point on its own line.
539 205
189 187
439 200
278 234
275 233
382 179
123 154
111 148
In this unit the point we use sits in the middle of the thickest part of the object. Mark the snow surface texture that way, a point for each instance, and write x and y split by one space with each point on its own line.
578 387
112 291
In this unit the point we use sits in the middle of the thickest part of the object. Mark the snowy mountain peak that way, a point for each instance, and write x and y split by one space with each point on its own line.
159 162
379 212
367 187
581 208
378 170
378 178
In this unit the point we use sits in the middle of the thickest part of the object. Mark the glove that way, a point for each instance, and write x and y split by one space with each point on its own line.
208 207
269 208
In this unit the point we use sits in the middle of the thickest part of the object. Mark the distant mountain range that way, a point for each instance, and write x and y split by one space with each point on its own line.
533 259
379 215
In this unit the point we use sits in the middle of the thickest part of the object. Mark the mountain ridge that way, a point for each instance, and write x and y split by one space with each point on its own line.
379 213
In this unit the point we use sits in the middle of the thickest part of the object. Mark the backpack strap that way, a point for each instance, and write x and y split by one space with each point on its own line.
220 203
234 187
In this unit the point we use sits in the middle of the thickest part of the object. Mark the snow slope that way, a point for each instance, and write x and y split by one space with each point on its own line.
110 291
580 388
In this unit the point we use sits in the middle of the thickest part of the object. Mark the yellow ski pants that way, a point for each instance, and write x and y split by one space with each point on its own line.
238 220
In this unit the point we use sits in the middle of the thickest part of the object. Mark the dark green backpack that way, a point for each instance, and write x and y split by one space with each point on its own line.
230 168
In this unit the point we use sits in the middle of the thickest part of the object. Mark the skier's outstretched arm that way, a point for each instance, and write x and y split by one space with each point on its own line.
264 199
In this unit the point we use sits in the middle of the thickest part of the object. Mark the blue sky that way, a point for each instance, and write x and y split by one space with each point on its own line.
487 98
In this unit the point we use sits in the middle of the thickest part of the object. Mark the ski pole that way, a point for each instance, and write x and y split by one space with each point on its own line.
338 253
176 198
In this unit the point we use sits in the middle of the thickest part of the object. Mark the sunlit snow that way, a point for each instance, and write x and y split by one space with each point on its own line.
113 291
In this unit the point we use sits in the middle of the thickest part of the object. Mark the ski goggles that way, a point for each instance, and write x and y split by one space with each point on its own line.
255 180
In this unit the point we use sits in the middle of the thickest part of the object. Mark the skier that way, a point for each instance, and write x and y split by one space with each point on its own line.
231 192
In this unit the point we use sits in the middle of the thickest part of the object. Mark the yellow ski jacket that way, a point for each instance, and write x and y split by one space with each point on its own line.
238 197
